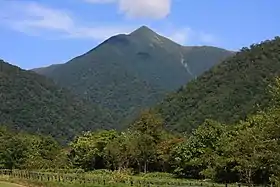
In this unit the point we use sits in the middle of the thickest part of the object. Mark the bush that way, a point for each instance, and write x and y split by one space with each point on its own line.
100 172
157 175
64 171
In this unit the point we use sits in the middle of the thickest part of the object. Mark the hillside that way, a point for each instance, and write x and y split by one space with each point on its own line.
127 73
33 103
228 92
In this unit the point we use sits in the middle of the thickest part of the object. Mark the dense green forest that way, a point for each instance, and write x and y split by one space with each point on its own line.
226 93
248 151
33 103
230 118
128 73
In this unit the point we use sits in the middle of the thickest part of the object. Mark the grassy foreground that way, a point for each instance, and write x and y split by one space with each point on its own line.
6 184
13 182
100 178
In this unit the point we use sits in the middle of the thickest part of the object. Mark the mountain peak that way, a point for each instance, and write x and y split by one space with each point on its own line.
143 30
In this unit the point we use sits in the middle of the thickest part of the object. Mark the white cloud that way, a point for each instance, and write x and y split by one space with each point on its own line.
35 19
188 36
153 9
181 36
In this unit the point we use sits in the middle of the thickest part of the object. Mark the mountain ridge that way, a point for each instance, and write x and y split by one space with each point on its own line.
127 73
33 103
228 92
133 33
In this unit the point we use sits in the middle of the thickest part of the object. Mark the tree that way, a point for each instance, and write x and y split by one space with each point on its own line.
164 152
13 151
118 151
138 147
149 132
25 151
199 151
149 123
254 146
87 151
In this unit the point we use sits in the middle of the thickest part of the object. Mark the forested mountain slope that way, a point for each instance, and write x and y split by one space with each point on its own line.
127 73
228 92
33 103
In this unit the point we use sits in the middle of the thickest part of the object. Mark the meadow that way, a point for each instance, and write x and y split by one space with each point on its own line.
98 178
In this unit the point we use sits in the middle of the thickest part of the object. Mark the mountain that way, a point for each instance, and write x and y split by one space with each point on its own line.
127 73
33 103
227 92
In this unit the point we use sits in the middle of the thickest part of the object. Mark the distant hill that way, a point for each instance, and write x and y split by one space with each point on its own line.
33 103
228 92
127 73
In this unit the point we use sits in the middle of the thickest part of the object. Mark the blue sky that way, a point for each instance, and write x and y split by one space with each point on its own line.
35 33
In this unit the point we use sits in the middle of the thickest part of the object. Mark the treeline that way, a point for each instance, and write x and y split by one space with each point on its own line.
248 151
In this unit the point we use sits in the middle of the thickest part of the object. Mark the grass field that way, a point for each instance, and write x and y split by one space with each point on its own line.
49 184
100 178
6 184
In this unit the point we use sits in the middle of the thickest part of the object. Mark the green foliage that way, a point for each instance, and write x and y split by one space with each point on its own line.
35 104
254 147
120 152
14 149
226 93
23 151
87 151
231 150
159 175
247 152
128 73
144 147
115 178
150 124
132 150
193 157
